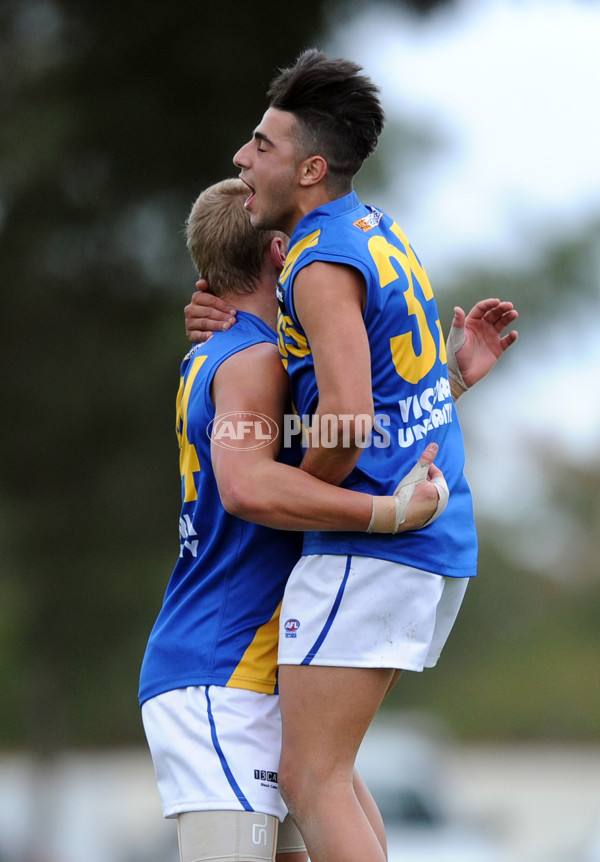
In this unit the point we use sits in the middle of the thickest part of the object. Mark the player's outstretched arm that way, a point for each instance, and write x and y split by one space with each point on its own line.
475 342
206 314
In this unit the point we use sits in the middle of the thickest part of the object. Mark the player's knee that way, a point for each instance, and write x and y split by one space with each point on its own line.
296 788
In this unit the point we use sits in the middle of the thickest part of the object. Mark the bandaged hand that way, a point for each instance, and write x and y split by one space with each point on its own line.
406 510
456 339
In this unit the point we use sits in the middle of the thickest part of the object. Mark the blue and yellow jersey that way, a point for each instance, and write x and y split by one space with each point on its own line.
218 624
413 402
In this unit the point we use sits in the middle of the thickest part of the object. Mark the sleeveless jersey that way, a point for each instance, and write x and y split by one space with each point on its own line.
411 390
218 624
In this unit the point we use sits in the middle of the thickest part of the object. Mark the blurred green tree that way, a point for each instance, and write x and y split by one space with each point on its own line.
115 115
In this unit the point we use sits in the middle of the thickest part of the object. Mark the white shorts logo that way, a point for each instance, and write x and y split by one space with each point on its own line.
291 627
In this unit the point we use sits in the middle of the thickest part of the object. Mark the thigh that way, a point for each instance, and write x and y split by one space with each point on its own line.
326 712
226 836
215 748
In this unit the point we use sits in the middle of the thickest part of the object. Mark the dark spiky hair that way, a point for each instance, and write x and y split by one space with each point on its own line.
337 108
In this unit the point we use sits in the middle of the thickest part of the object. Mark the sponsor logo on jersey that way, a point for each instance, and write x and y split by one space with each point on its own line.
369 221
291 627
186 536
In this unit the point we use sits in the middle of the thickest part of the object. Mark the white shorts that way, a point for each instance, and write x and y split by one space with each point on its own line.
350 611
215 749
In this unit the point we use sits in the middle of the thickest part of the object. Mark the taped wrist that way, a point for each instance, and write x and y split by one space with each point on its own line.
406 488
456 339
387 515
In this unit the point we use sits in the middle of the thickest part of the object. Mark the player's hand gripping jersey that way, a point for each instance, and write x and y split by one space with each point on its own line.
219 621
413 402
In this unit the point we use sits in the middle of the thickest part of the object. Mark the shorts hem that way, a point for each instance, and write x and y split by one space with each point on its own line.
318 661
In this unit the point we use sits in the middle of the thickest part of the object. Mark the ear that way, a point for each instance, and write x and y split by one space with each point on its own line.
312 170
278 251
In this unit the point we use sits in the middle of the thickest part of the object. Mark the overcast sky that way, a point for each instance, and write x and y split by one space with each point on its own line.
511 87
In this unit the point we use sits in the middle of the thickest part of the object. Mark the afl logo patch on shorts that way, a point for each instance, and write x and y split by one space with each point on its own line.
291 627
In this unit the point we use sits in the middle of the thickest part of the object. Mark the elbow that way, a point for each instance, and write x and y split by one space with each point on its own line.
233 502
237 500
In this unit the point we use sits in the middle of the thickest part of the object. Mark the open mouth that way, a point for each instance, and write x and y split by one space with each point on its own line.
251 196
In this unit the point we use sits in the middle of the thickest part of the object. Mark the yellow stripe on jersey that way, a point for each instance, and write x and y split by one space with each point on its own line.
257 670
294 253
188 457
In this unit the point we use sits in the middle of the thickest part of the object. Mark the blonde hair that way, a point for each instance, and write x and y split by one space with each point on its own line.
226 250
